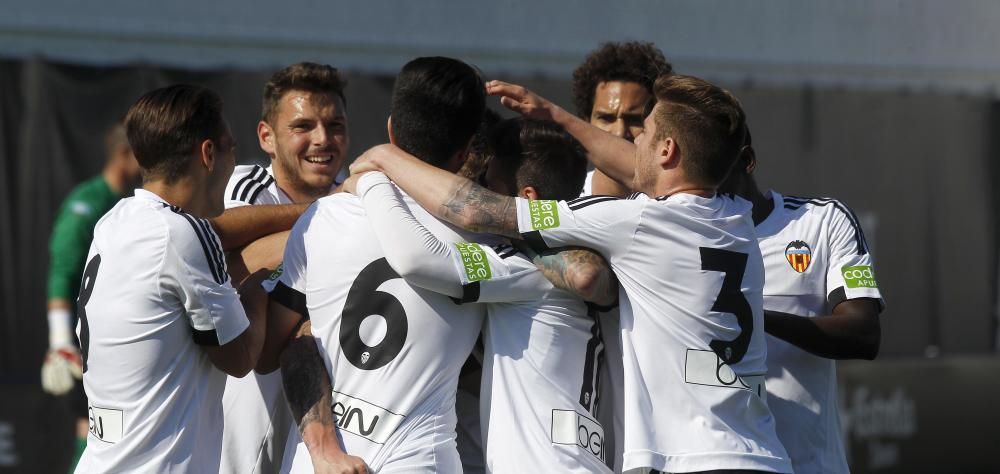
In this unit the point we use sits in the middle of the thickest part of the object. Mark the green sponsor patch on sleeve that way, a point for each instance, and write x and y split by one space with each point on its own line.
859 276
477 266
544 214
277 272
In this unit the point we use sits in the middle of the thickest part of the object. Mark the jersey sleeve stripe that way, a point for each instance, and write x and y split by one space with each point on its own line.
216 246
589 201
290 298
256 192
793 203
253 185
205 247
205 338
235 196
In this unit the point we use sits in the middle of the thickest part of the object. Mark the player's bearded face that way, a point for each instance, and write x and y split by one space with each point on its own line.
310 140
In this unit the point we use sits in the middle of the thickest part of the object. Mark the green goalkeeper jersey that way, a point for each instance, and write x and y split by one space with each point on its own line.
72 232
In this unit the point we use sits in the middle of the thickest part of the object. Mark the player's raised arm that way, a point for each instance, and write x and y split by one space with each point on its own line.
445 195
610 154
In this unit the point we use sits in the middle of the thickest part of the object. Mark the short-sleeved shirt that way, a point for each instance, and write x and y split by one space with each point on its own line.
394 351
155 288
543 352
254 184
72 232
691 280
815 256
257 419
542 373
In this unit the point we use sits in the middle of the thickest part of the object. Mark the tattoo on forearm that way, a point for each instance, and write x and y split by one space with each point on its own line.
306 382
565 267
482 210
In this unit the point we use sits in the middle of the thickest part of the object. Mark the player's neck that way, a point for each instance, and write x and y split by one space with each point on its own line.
181 193
763 204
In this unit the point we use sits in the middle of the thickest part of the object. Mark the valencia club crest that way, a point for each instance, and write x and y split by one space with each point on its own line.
799 255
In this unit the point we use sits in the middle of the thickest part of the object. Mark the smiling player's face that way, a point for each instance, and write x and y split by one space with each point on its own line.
308 141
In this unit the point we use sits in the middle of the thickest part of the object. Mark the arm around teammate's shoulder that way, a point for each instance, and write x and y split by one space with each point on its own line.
580 271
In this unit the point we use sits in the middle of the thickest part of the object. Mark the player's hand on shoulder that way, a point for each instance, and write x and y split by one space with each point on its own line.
521 100
339 463
370 160
350 185
63 366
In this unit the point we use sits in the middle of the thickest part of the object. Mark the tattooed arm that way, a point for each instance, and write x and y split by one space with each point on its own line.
577 270
445 195
308 391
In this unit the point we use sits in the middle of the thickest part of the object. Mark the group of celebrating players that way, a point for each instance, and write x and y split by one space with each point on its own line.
458 281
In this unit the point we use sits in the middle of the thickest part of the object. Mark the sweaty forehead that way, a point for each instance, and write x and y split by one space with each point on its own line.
624 95
298 103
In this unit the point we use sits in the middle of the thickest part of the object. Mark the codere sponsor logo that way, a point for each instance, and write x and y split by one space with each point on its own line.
474 261
277 272
544 214
859 276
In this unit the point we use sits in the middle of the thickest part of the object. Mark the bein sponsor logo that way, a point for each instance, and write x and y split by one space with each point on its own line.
364 419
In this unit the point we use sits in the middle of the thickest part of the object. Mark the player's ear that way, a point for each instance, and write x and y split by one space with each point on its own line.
388 128
206 154
750 158
529 193
667 153
265 135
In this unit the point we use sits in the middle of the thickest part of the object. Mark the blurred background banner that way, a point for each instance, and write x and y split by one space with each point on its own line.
890 107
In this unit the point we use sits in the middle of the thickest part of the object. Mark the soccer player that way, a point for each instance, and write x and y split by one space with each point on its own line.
160 324
613 90
71 235
303 129
392 352
686 259
543 348
821 303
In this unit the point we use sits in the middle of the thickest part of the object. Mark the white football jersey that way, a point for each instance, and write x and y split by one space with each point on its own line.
611 410
155 287
588 184
543 352
815 256
394 351
691 280
256 415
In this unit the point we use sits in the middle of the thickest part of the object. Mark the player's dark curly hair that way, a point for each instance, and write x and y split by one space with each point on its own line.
632 61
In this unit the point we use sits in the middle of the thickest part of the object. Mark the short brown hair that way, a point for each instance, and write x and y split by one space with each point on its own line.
310 77
707 122
166 125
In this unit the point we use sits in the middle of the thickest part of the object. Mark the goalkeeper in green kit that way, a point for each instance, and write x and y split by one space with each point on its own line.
72 232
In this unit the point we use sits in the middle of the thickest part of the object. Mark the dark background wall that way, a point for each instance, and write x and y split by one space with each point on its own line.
917 168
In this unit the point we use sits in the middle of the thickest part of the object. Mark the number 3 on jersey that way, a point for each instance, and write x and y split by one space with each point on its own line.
730 300
364 300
